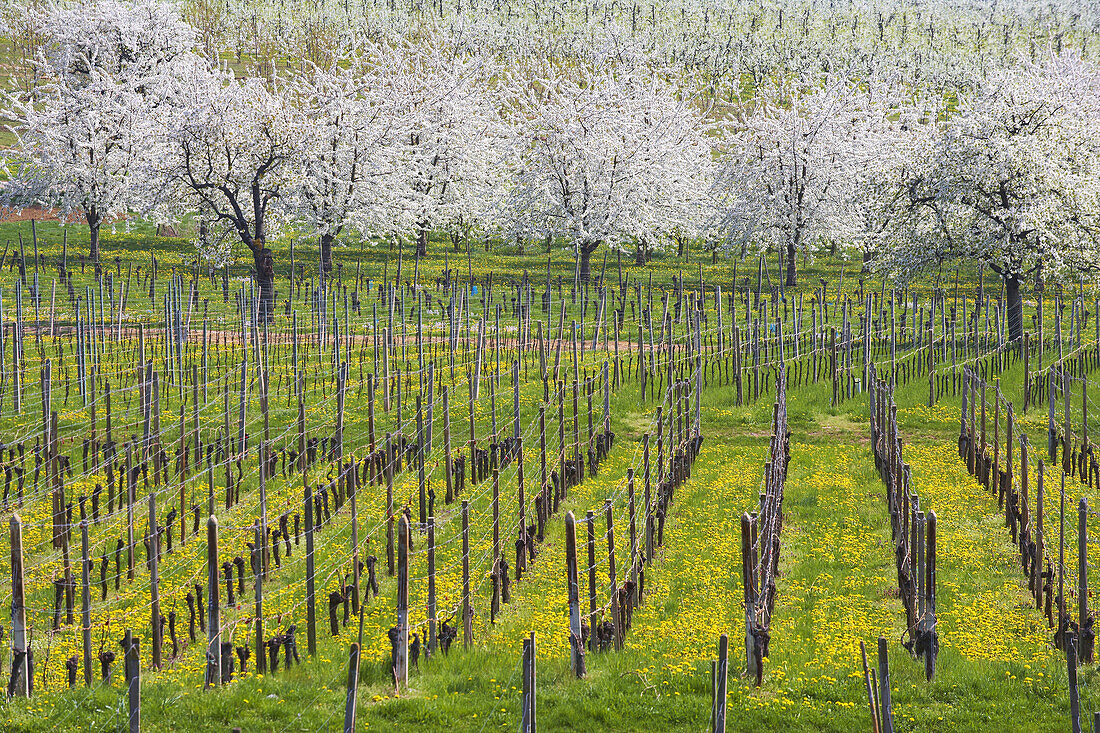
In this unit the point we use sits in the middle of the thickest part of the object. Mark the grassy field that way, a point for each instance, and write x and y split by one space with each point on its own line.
997 667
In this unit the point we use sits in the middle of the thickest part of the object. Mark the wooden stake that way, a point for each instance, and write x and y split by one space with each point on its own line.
353 687
575 643
20 684
401 670
86 602
467 613
213 607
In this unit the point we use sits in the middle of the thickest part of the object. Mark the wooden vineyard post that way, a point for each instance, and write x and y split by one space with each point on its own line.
930 598
467 615
544 485
353 687
387 471
154 581
431 587
1040 540
1052 429
494 608
720 685
430 408
307 509
20 684
527 720
995 477
448 458
575 642
213 606
1085 642
131 497
401 670
560 491
516 430
871 696
521 526
475 478
1071 671
1027 371
576 445
1084 416
1067 453
590 520
133 674
885 707
633 529
85 602
1063 616
618 613
748 572
647 499
422 481
257 565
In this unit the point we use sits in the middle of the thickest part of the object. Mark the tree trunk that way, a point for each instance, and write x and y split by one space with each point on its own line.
265 279
326 252
639 254
94 222
422 241
585 253
94 242
791 265
867 257
1015 307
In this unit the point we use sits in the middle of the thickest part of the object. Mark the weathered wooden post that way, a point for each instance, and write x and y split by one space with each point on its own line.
633 529
86 602
213 607
527 720
422 479
872 696
257 570
467 612
575 642
590 520
22 671
1037 564
1085 641
618 613
1071 670
885 706
495 607
154 581
647 498
353 687
930 577
448 457
133 674
720 685
748 576
387 471
308 509
401 669
431 587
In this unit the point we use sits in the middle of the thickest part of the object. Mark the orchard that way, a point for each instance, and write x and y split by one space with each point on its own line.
576 366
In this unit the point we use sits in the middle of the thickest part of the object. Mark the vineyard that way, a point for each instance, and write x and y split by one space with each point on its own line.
417 496
451 365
